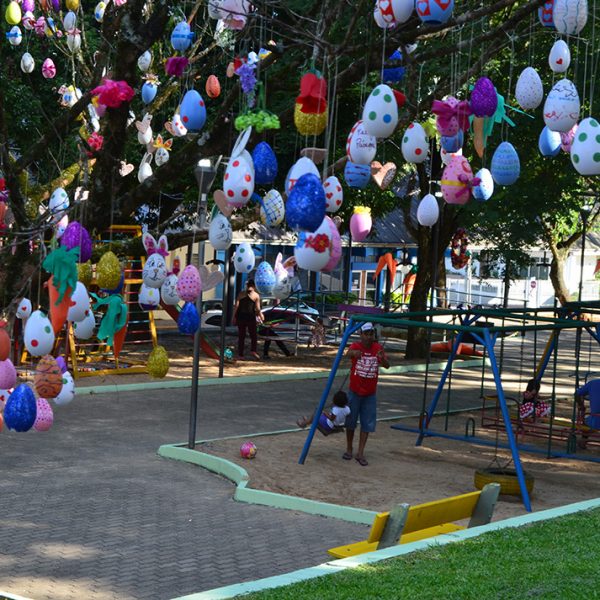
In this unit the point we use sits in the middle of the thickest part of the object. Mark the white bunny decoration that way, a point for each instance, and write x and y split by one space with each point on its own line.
155 269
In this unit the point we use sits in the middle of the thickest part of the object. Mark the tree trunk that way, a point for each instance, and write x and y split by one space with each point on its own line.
557 276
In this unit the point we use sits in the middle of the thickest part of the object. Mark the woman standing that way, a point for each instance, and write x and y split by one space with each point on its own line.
245 315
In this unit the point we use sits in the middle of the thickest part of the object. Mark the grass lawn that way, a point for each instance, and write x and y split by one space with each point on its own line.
559 558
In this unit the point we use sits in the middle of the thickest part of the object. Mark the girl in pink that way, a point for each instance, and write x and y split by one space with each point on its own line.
532 404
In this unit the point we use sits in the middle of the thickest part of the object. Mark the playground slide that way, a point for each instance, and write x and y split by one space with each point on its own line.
463 349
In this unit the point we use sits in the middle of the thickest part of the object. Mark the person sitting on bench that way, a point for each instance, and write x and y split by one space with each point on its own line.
592 390
532 403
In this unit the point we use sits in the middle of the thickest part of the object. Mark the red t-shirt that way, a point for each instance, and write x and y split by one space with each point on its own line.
365 370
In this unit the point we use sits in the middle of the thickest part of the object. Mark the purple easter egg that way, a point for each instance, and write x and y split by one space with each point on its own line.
62 364
484 100
28 6
76 235
56 5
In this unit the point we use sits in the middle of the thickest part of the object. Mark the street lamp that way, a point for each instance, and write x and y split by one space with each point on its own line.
584 213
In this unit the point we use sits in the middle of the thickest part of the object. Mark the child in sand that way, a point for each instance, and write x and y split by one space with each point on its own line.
532 404
332 421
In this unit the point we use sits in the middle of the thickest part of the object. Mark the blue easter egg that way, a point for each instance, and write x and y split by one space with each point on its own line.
357 176
181 37
188 320
485 189
305 208
264 278
193 111
265 164
394 74
506 166
434 12
148 92
453 143
549 142
20 409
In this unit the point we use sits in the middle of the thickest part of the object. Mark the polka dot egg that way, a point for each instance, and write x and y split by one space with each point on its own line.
189 284
380 114
193 111
67 392
415 144
39 335
244 259
84 329
238 182
585 150
44 416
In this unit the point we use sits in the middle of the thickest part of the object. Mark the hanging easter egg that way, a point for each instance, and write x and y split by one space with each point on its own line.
67 391
401 9
20 409
570 16
84 329
74 41
108 271
484 99
335 248
220 232
44 416
13 13
8 374
168 290
238 181
24 308
559 58
99 11
529 90
213 87
181 36
301 167
361 147
72 5
154 272
61 226
161 156
158 362
149 91
84 273
391 72
305 208
545 14
48 69
265 164
189 319
69 21
15 37
506 166
585 150
485 188
144 61
47 380
380 114
434 12
361 223
145 168
76 235
312 251
566 139
4 348
310 123
193 111
334 194
456 181
357 176
189 284
561 110
272 209
148 297
283 285
27 63
28 21
549 142
264 278
380 20
58 203
39 335
415 144
428 211
244 258
80 303
452 143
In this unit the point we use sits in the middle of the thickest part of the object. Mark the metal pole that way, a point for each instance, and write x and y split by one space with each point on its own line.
225 310
584 217
349 267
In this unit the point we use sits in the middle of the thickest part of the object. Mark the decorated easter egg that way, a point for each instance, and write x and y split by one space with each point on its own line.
213 87
428 211
272 209
84 329
44 416
80 303
301 167
84 273
99 11
145 169
189 284
24 308
391 72
4 394
585 150
4 348
379 19
158 362
13 13
67 391
305 207
485 188
335 248
8 374
434 12
27 63
310 123
456 181
283 285
401 9
566 139
69 20
193 111
559 58
506 166
38 336
61 226
168 290
357 176
189 319
47 380
178 129
20 409
452 143
15 37
144 61
380 114
549 142
108 271
74 41
28 21
154 272
312 250
181 36
238 181
265 163
561 110
58 203
529 91
334 194
545 14
149 91
570 16
361 223
248 450
72 5
361 147
484 99
148 297
264 278
220 232
244 258
76 235
415 144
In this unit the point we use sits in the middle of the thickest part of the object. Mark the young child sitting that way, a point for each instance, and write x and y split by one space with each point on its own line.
317 339
532 403
332 421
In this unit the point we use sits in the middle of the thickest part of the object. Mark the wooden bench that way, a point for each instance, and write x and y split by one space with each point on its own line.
405 523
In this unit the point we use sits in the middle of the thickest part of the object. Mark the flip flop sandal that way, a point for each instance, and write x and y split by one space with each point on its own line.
362 461
347 456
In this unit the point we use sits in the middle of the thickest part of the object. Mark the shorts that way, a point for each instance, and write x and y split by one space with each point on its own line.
324 424
364 407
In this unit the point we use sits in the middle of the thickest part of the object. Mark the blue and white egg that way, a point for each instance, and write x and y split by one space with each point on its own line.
549 142
506 166
244 258
357 176
99 11
264 278
272 209
485 189
380 114
181 36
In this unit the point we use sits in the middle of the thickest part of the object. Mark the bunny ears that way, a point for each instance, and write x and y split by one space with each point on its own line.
153 247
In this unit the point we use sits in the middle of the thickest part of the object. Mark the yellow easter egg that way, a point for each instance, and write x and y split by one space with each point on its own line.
72 5
108 271
309 123
158 362
84 273
13 13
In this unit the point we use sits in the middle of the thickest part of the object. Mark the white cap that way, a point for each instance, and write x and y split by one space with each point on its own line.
367 327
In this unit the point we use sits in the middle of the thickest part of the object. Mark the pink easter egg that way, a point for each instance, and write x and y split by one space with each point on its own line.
49 69
360 225
189 284
44 416
8 374
456 181
335 248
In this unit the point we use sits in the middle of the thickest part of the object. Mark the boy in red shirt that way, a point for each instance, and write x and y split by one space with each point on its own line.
366 357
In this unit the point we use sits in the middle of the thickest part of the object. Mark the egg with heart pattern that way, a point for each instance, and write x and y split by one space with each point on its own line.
545 14
559 58
24 308
334 194
434 12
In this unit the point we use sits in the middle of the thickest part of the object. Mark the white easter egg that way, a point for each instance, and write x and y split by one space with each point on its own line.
39 335
168 290
144 170
272 210
428 211
84 329
144 61
447 156
15 37
67 392
559 58
529 91
27 63
301 167
58 204
585 149
24 308
380 20
283 285
70 20
334 194
161 156
561 110
220 232
415 144
361 147
570 16
238 181
99 11
154 272
148 297
244 258
81 303
484 190
549 142
313 249
380 114
402 10
73 41
214 9
178 129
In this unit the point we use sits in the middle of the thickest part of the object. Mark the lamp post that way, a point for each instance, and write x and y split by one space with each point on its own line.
584 213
